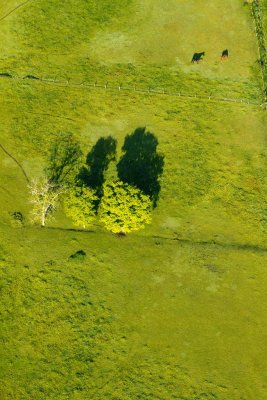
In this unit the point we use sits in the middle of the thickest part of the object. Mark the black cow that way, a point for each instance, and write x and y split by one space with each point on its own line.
197 57
225 54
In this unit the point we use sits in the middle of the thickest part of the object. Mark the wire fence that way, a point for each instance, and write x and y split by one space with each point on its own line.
132 88
257 16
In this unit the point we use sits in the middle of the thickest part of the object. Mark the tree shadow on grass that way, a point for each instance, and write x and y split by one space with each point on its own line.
64 160
140 165
97 160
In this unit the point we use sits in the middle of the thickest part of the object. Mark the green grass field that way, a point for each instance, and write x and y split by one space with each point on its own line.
175 311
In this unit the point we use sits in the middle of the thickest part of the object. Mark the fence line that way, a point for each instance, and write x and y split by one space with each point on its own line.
133 88
151 90
257 17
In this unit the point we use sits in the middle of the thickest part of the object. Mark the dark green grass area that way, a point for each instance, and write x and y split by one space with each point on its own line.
185 323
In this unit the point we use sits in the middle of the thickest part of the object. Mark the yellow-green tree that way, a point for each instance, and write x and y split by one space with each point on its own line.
79 205
124 208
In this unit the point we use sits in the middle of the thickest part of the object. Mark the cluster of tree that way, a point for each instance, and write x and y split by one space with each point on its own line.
122 204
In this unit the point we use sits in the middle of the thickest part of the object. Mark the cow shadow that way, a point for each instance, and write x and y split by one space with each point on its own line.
97 162
140 165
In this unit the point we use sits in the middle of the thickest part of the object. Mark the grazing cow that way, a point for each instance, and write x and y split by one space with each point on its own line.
225 54
197 57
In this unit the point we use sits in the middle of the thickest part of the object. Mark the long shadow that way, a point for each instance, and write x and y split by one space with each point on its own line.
55 228
140 165
97 160
235 246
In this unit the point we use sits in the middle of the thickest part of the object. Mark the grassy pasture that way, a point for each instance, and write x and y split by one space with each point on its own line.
186 322
158 34
98 41
213 166
171 312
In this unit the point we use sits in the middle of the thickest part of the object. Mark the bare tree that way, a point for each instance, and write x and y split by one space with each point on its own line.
44 197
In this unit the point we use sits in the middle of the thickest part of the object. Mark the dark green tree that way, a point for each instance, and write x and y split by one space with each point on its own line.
64 160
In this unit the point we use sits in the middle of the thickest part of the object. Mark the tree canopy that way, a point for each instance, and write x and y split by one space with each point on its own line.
64 160
124 208
79 205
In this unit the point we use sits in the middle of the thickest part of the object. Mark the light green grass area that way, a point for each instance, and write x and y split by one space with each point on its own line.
152 47
157 33
175 311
